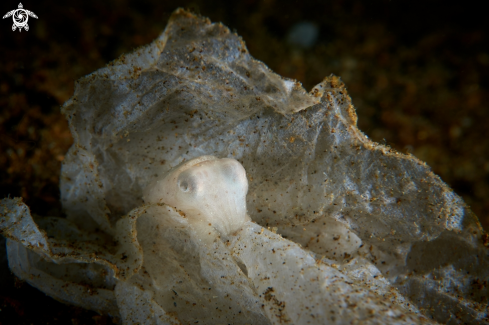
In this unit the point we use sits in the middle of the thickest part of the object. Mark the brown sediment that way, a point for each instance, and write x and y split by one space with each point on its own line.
422 92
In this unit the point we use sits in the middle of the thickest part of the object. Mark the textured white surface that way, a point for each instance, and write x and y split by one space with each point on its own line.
375 227
208 190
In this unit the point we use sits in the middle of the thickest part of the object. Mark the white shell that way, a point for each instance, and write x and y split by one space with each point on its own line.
349 218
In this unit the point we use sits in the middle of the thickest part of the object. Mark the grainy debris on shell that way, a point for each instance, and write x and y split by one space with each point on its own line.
338 229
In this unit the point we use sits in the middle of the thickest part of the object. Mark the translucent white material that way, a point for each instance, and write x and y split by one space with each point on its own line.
342 229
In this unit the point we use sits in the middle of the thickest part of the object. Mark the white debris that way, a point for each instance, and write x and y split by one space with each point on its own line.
362 234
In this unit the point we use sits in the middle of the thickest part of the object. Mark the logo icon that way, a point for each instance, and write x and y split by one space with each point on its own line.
20 17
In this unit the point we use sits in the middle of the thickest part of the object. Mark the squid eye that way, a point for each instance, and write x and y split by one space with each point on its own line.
229 172
233 172
188 183
184 186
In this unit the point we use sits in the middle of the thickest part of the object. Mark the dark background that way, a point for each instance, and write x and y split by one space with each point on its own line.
417 72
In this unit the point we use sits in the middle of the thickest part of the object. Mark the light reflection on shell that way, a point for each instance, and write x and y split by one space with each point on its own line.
358 225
